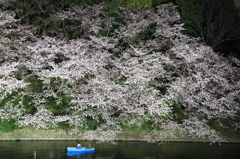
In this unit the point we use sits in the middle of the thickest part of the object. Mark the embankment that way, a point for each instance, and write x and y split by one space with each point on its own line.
138 135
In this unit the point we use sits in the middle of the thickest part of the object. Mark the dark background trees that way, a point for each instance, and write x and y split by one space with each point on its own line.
216 22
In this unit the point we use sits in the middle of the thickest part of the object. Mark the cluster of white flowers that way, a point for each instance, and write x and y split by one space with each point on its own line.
198 129
116 85
6 2
43 118
213 84
7 17
9 111
92 22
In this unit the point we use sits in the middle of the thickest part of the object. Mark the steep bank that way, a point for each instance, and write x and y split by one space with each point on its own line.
96 70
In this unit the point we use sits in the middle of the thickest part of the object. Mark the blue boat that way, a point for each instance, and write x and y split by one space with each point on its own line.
83 150
76 153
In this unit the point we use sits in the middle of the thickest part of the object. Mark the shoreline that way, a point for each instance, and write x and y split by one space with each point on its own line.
32 134
137 140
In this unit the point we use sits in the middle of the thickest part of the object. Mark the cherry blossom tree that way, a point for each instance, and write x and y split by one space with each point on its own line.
118 80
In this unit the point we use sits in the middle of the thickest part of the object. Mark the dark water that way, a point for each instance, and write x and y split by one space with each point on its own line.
122 150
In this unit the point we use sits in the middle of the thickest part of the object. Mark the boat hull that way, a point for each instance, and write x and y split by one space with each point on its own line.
73 149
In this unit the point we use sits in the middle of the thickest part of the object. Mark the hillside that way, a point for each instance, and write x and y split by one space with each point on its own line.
86 69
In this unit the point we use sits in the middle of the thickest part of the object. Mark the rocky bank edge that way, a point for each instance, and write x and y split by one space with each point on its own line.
131 135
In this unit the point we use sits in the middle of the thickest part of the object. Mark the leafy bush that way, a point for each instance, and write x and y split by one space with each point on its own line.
63 125
7 125
92 124
35 84
28 105
58 105
178 112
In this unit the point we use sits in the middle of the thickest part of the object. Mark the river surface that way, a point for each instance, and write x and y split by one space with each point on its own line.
122 150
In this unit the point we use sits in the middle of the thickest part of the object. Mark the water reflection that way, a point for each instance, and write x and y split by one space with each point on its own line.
79 155
122 150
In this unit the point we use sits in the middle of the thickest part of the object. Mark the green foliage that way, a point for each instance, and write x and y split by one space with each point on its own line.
147 125
109 30
112 5
225 127
178 112
58 105
52 105
163 90
72 28
104 32
139 3
92 124
7 125
191 13
121 80
145 34
125 127
35 85
40 13
28 105
66 98
12 98
69 85
118 20
63 125
55 83
144 124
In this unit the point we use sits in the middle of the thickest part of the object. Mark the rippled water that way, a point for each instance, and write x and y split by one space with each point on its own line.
122 150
